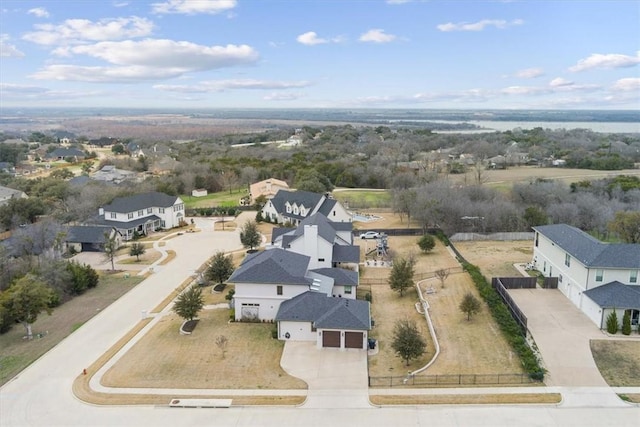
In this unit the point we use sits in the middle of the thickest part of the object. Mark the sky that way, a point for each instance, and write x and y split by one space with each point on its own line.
537 54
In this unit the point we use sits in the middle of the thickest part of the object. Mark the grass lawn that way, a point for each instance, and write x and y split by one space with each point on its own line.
222 198
363 199
467 347
496 259
618 361
17 353
252 357
149 257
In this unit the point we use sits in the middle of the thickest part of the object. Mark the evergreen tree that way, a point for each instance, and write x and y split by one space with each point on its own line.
189 303
401 276
407 341
220 268
469 305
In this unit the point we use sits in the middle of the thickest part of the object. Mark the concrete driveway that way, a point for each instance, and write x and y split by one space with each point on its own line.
562 333
336 378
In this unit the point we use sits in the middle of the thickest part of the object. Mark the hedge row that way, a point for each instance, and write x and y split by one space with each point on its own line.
507 323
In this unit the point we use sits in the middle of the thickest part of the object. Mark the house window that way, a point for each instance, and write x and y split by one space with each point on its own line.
635 316
320 259
288 208
544 266
149 210
161 210
633 276
347 290
279 290
177 208
560 278
599 274
130 215
537 234
567 260
140 212
114 215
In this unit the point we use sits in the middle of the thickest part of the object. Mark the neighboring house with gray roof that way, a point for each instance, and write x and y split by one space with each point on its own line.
143 213
294 206
63 153
7 194
583 264
90 238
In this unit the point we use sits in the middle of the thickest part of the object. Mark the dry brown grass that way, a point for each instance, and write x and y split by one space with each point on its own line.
170 257
467 347
252 357
211 297
618 361
225 226
496 259
148 258
467 399
16 353
635 398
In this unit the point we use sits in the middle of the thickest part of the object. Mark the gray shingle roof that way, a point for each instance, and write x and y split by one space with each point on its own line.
141 201
590 251
127 224
349 253
326 312
87 233
326 206
616 295
6 192
65 152
306 198
273 266
340 276
326 228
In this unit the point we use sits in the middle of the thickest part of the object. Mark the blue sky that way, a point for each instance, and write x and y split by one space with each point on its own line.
320 54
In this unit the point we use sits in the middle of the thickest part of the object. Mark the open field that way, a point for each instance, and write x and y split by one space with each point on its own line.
618 361
496 259
467 347
252 358
17 353
222 198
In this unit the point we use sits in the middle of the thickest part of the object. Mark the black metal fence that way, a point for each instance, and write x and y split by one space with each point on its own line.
450 380
416 277
517 314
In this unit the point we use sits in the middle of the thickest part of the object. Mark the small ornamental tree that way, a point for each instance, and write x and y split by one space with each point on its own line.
221 342
612 322
469 305
626 323
249 235
26 299
401 276
442 275
220 268
189 303
110 249
136 250
407 341
426 243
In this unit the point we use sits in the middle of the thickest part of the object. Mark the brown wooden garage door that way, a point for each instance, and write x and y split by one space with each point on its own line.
331 339
353 339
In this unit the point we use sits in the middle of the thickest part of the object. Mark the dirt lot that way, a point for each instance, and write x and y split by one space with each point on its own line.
618 361
496 259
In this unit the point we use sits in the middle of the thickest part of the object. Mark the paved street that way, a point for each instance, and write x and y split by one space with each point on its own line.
41 395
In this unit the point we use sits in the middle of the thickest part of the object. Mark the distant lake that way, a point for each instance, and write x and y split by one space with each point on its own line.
491 126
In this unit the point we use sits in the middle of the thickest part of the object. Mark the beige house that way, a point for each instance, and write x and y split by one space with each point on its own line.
268 188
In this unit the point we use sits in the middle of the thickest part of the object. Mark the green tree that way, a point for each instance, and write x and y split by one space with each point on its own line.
407 341
26 299
626 323
83 277
470 305
534 215
249 235
62 173
426 243
401 276
136 250
117 149
220 268
189 303
110 249
627 226
612 322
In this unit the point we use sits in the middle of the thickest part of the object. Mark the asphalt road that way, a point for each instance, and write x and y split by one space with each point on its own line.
41 395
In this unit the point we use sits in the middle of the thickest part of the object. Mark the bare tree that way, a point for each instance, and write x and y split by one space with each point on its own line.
221 342
442 275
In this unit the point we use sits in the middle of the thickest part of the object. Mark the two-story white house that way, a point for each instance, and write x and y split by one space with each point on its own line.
142 213
294 206
597 277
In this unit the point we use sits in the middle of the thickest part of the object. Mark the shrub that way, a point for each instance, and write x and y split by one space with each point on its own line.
626 323
612 322
426 243
274 333
367 296
232 315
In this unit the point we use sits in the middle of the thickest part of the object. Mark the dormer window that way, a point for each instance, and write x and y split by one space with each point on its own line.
288 207
303 212
295 210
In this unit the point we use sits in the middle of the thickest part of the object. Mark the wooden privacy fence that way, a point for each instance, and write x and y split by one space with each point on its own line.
450 380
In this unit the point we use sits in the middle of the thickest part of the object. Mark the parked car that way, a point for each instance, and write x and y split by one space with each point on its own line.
370 235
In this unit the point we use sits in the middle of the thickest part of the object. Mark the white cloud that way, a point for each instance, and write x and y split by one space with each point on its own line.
20 89
311 38
73 31
192 7
611 60
530 73
479 26
629 84
559 81
398 1
120 4
7 50
147 59
280 96
523 90
40 12
233 84
377 35
28 93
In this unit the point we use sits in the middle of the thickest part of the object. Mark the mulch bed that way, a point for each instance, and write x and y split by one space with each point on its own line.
190 325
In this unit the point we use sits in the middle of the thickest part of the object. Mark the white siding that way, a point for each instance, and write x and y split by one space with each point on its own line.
338 290
265 295
593 312
298 331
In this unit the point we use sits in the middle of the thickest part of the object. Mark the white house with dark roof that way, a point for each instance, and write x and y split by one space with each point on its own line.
597 277
7 194
294 206
142 213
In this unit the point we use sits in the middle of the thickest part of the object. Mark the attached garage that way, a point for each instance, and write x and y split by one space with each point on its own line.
353 340
331 339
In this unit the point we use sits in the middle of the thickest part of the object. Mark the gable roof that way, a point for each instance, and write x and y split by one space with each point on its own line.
10 193
590 251
340 276
326 206
326 229
305 198
87 233
65 152
616 295
326 312
343 253
141 201
273 266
